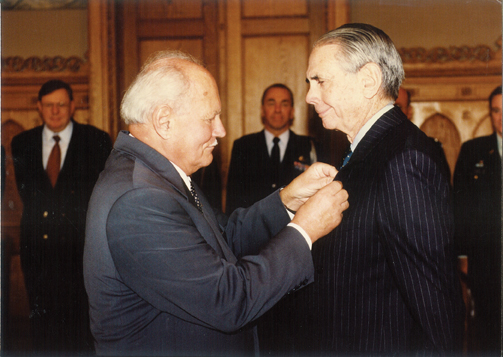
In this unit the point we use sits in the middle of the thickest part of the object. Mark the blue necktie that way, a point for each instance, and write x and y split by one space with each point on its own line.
346 159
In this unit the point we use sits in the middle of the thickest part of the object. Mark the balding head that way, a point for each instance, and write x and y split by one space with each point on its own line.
162 80
173 106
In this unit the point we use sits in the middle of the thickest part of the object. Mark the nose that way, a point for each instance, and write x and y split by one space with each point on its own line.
277 107
312 95
218 129
55 108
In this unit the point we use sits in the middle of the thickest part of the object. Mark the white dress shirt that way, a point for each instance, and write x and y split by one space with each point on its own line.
498 140
283 142
48 142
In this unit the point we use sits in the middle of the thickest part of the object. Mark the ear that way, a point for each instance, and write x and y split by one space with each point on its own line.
371 79
292 116
39 106
72 107
162 121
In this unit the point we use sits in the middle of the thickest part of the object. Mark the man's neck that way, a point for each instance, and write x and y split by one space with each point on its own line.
369 123
368 113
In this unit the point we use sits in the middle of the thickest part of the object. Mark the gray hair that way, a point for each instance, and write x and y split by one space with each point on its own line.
360 44
162 80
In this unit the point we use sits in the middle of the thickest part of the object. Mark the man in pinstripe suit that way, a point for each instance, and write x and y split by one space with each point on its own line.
385 279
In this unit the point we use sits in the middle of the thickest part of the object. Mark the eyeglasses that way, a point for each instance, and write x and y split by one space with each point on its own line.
61 105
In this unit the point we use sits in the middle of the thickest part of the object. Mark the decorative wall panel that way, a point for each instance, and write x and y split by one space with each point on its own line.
274 8
170 9
275 59
192 46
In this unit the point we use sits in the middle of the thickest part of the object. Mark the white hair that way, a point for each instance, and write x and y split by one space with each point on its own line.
162 80
360 44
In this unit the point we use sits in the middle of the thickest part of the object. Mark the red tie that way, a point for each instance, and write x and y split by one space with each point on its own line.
54 162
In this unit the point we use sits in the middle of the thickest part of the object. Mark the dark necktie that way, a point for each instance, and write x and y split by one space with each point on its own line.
346 159
54 162
196 198
275 161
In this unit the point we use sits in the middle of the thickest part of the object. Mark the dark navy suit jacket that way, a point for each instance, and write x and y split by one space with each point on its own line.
250 171
53 223
165 279
477 193
385 278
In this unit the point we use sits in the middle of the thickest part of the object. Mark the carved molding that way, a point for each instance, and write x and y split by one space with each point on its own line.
482 53
46 64
43 4
452 61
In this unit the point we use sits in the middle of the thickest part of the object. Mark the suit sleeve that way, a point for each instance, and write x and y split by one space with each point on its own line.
163 258
416 225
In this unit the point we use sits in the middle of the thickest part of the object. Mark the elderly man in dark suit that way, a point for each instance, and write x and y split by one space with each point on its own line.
385 278
477 194
167 276
56 167
264 161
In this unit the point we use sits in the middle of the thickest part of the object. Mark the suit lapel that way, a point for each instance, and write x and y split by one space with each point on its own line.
206 223
493 155
376 133
221 246
36 155
262 147
71 159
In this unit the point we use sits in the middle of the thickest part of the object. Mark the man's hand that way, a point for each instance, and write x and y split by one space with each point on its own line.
323 211
318 175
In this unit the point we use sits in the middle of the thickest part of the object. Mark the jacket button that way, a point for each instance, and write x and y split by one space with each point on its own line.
45 236
46 214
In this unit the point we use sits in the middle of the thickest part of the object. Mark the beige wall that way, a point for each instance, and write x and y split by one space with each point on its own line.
410 23
44 33
432 23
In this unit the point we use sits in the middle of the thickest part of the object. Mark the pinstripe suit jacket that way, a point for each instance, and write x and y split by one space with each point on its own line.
385 278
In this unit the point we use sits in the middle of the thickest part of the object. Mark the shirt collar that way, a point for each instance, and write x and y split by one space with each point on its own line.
283 137
365 128
65 134
186 179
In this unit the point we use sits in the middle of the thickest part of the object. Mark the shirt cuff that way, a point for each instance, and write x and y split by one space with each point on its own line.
303 232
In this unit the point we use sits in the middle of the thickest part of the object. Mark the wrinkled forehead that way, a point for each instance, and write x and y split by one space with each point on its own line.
323 60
